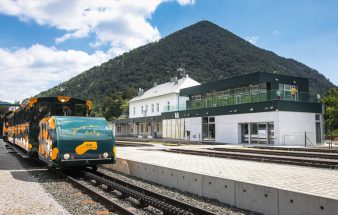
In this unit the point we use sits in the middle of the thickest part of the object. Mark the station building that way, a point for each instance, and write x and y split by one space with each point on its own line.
257 108
145 110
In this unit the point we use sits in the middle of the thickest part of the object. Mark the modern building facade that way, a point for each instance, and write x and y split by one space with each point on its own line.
257 108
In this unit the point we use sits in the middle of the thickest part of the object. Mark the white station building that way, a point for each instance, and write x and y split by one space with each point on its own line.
257 108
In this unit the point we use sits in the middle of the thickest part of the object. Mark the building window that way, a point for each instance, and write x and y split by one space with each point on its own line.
152 108
157 107
146 111
141 128
119 129
168 105
158 127
208 128
142 109
134 111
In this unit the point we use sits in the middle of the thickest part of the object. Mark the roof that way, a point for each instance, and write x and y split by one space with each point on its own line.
167 88
4 107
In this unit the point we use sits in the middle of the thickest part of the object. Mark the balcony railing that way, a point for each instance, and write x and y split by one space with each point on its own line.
259 96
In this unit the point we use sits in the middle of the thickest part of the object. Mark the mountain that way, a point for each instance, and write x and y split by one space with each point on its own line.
206 51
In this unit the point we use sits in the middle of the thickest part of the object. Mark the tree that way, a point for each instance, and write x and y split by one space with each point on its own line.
331 111
114 106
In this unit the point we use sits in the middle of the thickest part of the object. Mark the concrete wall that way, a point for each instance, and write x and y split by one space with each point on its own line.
289 127
258 198
227 126
293 125
194 125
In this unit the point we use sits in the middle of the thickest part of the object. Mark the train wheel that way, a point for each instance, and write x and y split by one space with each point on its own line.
94 167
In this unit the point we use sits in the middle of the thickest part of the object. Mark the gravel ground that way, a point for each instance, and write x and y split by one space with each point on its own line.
71 198
20 192
202 202
127 202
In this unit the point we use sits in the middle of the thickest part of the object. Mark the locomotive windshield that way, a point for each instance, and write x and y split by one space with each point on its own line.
63 110
83 128
81 110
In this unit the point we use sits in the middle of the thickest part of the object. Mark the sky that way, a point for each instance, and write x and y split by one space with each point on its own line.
46 42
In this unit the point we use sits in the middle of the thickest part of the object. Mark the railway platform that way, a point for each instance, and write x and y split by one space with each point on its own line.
20 193
261 187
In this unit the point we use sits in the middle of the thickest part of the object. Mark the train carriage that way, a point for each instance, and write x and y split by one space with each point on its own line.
59 131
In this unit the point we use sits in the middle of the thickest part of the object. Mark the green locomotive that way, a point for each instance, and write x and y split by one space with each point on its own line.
60 132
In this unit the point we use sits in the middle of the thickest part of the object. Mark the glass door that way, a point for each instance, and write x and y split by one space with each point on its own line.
245 133
208 128
254 133
262 133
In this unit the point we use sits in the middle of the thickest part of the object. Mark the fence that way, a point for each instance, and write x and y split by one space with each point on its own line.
308 139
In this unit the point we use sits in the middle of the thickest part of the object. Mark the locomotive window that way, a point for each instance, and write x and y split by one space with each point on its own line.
40 110
63 110
80 110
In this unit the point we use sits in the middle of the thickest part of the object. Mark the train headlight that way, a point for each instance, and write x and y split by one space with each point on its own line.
105 154
66 156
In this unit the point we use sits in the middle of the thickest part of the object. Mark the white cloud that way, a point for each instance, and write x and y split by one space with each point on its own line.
26 72
275 32
186 2
253 39
120 24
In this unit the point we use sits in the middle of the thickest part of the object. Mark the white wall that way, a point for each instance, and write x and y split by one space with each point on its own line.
194 125
289 127
293 125
162 100
227 126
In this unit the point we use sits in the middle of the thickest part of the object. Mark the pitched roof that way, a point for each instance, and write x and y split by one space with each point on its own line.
167 88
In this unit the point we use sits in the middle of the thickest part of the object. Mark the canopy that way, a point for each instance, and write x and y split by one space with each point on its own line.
4 107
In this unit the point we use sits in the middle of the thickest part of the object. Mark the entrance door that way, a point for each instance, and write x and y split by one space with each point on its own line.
257 133
245 133
262 133
208 128
254 133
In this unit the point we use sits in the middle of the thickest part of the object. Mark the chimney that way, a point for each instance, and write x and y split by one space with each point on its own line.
176 80
155 84
140 92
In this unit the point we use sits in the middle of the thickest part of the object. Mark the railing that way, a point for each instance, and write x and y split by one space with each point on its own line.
258 96
171 108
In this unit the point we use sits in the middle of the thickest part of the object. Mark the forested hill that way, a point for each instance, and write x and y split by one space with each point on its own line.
206 51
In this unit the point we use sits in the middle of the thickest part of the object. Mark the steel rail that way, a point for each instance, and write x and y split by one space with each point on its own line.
146 197
320 163
309 154
109 204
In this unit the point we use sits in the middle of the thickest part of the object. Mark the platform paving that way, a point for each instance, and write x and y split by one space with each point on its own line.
261 187
20 193
322 182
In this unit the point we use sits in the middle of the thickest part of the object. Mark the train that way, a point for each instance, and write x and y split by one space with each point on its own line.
61 132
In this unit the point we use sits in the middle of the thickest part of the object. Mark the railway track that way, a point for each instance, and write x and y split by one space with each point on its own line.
270 158
308 154
316 150
108 203
146 197
143 197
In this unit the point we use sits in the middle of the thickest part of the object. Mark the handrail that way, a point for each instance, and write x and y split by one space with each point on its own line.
243 98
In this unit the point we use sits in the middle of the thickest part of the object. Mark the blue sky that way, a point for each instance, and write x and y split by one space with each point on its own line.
52 41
